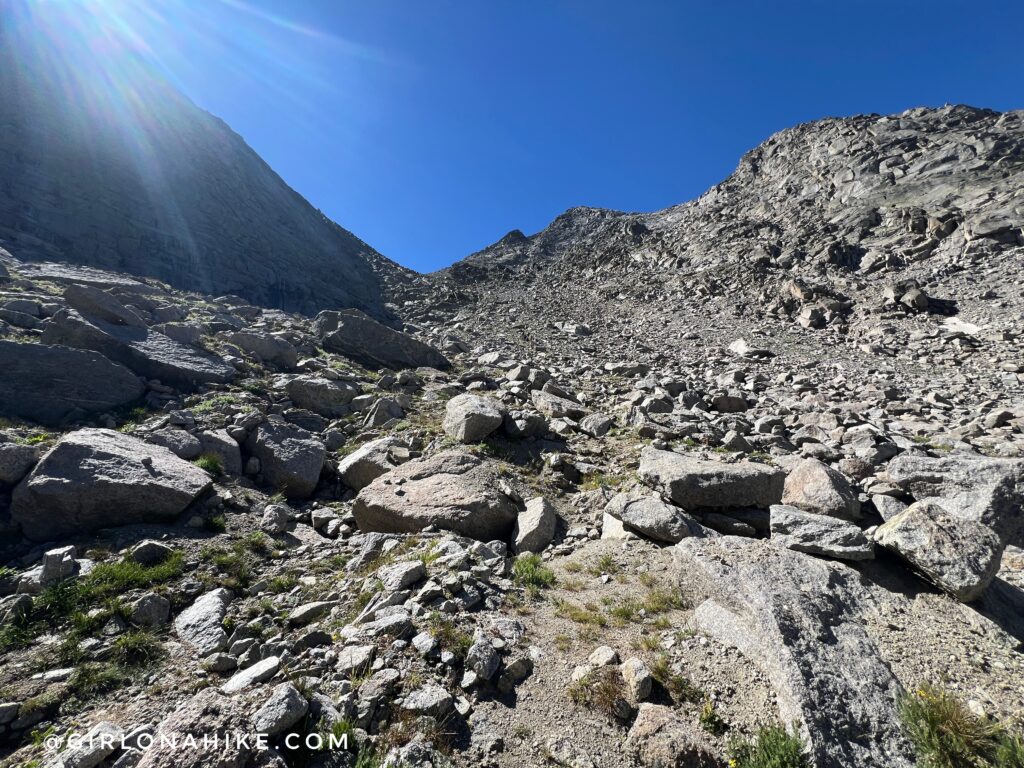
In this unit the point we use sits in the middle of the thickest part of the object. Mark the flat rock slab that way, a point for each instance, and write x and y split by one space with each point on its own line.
695 484
819 534
259 672
453 490
323 396
651 517
799 618
369 461
358 336
51 385
97 478
146 352
209 713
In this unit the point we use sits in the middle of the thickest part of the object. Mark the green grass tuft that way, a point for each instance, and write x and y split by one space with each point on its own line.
530 572
210 462
946 734
773 747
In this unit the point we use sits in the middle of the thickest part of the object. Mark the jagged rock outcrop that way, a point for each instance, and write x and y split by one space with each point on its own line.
960 556
143 350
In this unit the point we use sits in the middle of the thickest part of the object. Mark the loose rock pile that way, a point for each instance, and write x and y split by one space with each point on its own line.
611 496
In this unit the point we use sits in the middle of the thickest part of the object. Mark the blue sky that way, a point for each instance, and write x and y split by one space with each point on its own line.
430 128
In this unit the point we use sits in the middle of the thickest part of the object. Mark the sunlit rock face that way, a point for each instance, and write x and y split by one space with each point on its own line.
103 163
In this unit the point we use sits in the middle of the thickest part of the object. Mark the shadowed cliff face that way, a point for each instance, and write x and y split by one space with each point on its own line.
103 163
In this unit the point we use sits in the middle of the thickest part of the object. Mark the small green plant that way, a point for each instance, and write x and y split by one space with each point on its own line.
367 758
449 635
59 600
678 687
216 523
284 583
530 572
606 563
116 578
602 690
256 542
946 734
596 480
238 564
588 613
92 679
36 439
40 737
773 747
210 462
137 648
215 403
710 720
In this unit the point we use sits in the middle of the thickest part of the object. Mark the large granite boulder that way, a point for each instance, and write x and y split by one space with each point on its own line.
470 418
201 625
143 350
52 385
959 555
661 738
695 484
96 478
324 396
291 458
535 527
453 490
989 491
15 461
224 720
802 620
816 487
357 336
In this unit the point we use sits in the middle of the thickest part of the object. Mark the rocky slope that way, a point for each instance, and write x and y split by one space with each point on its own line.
104 164
639 490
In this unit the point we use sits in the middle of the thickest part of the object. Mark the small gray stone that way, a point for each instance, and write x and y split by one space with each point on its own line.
482 657
259 672
150 552
429 699
285 707
150 610
638 679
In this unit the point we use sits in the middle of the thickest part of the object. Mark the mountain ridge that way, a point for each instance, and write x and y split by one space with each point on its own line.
132 176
